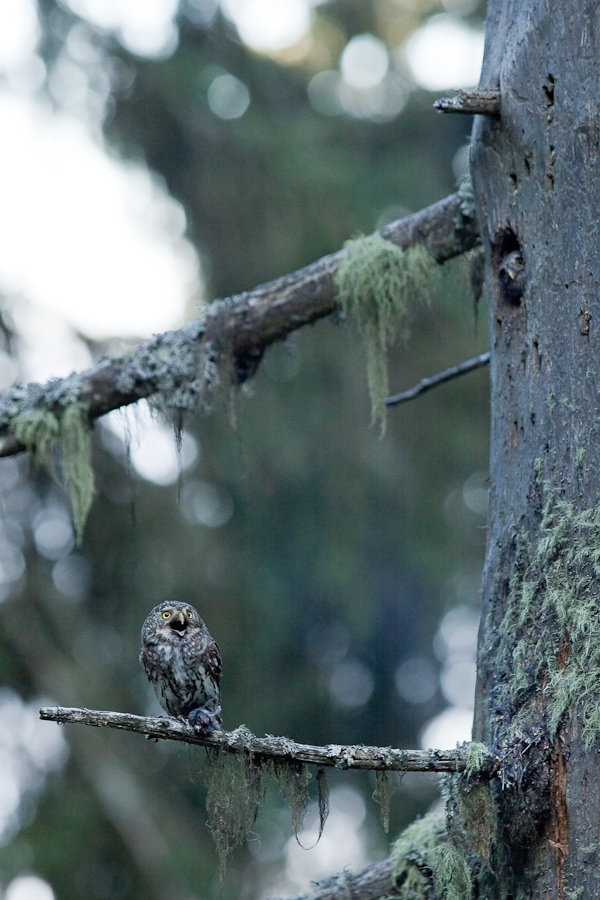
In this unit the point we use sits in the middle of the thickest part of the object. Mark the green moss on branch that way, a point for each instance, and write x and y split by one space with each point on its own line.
476 755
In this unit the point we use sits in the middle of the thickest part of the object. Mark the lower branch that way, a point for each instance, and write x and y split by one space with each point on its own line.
276 749
369 884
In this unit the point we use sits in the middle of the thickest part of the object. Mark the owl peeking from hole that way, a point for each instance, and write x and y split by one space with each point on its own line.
512 275
183 664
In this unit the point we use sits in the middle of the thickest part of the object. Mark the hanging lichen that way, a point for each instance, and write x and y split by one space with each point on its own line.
385 785
475 260
293 779
38 430
234 795
323 802
236 790
377 283
76 461
43 432
412 853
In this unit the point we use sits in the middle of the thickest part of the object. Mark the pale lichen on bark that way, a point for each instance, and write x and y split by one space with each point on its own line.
551 607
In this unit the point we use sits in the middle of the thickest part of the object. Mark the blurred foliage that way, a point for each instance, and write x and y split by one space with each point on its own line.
342 547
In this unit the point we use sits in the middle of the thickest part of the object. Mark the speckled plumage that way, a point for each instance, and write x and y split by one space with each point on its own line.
183 664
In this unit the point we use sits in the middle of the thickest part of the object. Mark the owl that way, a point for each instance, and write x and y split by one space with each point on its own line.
183 664
512 276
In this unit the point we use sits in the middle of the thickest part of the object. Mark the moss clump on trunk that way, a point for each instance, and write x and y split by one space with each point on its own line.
479 818
540 664
551 671
413 856
451 872
430 859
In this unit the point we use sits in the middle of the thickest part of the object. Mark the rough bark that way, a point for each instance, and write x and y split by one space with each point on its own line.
536 178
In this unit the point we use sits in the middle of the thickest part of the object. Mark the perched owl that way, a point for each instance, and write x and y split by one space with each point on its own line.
183 664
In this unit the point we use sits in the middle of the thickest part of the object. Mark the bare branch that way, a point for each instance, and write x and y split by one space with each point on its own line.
478 102
241 327
243 741
427 383
369 884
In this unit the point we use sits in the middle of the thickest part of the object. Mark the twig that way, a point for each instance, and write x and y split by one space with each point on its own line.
478 102
370 883
241 327
427 383
273 748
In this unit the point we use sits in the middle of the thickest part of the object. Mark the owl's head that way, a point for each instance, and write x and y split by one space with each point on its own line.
172 620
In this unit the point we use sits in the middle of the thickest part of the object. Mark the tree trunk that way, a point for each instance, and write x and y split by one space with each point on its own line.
537 186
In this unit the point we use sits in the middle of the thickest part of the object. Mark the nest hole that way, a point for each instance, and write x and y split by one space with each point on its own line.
508 264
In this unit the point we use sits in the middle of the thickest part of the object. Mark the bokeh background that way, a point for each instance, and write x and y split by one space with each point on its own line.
156 155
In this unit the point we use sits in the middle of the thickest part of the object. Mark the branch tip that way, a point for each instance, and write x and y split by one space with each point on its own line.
427 383
476 102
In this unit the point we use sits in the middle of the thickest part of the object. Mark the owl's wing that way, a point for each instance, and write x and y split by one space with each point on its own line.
213 661
148 658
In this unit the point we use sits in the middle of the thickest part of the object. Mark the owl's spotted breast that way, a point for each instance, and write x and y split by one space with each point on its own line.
183 663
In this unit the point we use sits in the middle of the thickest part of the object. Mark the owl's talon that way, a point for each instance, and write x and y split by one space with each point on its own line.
204 722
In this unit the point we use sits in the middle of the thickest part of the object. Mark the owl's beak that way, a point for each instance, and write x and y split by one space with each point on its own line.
178 622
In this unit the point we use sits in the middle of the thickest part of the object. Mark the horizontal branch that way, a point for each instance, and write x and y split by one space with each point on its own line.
181 364
371 883
427 383
273 748
471 103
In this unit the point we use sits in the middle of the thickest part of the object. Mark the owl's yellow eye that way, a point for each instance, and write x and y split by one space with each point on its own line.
190 613
166 615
